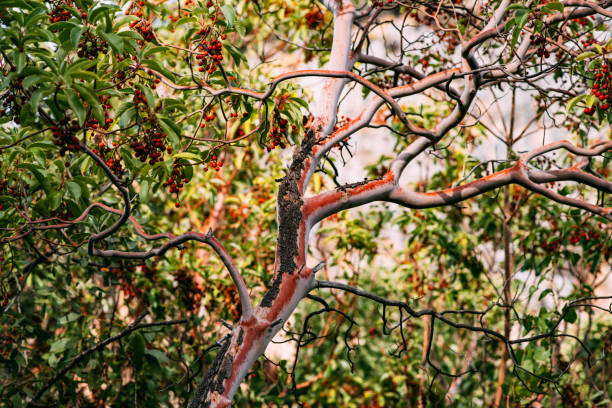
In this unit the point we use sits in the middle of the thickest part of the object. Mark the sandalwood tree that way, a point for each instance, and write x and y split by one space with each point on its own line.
168 186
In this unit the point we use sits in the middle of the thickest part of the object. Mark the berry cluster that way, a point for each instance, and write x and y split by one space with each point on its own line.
176 181
214 164
12 101
601 88
540 41
10 190
208 116
189 292
64 136
124 275
93 122
210 54
151 145
278 131
581 21
91 45
111 157
58 12
314 18
424 61
588 40
578 235
339 124
229 300
236 213
8 337
381 3
551 247
144 28
388 81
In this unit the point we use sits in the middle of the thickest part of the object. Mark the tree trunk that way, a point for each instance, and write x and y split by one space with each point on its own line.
292 281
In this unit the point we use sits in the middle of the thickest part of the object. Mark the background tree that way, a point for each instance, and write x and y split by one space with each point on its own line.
135 130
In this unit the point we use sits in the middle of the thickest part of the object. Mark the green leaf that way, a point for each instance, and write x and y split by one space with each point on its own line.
544 293
131 34
571 316
92 100
20 61
599 48
144 190
185 20
590 100
572 102
585 55
154 50
59 346
31 80
75 36
172 130
520 19
113 40
187 155
554 6
86 75
148 94
76 105
74 189
37 96
158 355
123 21
156 66
39 173
229 13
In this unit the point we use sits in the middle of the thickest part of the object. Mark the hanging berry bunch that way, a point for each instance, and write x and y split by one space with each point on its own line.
381 3
234 108
339 124
208 116
210 47
581 21
580 235
228 300
279 130
12 190
13 100
125 275
90 45
58 12
540 41
150 144
389 81
143 27
177 180
140 101
189 292
121 76
8 338
64 136
111 157
314 18
214 164
601 88
588 40
93 122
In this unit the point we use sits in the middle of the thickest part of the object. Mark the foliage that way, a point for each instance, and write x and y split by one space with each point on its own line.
175 106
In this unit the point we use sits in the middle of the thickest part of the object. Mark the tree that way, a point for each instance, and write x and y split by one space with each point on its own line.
114 113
